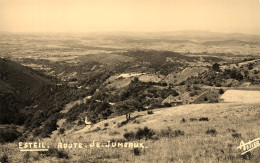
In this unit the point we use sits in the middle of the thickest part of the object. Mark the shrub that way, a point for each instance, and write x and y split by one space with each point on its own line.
182 83
204 119
26 156
166 104
8 135
216 67
117 140
250 66
137 151
239 76
144 133
170 133
96 129
247 156
114 133
54 152
183 120
122 123
194 93
61 130
221 91
136 121
129 135
236 135
231 130
212 132
178 133
4 159
193 119
149 112
140 134
196 88
106 124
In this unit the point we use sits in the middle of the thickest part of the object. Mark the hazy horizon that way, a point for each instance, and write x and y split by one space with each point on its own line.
66 16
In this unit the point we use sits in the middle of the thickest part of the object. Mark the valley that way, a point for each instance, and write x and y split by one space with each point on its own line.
184 91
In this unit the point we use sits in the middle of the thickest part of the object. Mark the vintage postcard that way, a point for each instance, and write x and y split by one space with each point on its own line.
137 81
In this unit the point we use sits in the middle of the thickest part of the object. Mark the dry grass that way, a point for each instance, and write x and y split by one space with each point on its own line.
232 122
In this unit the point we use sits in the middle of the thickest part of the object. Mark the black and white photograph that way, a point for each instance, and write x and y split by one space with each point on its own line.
130 81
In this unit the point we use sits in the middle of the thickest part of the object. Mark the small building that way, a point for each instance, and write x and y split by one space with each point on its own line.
172 100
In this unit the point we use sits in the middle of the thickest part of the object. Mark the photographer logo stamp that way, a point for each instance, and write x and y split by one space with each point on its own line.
246 147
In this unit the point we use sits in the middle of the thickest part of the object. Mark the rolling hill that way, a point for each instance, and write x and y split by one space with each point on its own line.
15 77
18 86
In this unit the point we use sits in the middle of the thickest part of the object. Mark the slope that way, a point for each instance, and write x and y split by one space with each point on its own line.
188 133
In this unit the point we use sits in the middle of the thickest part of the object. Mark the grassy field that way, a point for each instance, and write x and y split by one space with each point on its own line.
241 96
188 133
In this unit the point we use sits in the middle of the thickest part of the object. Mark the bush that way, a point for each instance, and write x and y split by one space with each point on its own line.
114 133
166 104
182 83
8 135
236 135
194 93
193 119
216 67
183 120
140 134
4 159
247 156
54 152
106 124
170 133
129 135
136 121
221 91
204 119
26 156
150 112
61 131
239 76
137 151
144 133
122 123
212 132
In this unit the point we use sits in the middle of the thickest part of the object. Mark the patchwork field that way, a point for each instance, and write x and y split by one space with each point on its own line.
241 96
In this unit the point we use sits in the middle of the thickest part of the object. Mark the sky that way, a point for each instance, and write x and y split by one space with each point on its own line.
227 16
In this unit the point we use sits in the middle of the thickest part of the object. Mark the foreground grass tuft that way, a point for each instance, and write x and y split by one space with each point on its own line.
137 151
4 158
54 152
212 132
140 134
170 133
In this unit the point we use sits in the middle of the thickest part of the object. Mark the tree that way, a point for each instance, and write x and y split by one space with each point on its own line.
221 91
216 67
250 66
239 76
126 107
